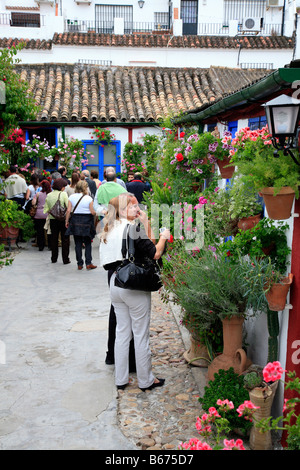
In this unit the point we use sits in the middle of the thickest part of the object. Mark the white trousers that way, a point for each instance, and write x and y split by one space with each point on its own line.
132 309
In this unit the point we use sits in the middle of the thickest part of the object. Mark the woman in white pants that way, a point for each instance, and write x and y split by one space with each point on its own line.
132 307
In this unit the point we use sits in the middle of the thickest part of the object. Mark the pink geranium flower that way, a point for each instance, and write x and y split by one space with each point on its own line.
272 371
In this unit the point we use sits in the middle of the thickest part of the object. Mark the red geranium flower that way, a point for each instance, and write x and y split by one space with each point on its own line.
179 157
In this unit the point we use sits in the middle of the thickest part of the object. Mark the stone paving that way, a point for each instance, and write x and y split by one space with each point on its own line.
163 417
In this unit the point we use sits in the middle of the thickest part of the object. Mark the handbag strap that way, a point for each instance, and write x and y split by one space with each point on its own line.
127 244
77 204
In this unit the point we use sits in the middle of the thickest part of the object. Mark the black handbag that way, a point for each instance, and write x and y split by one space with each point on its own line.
58 211
144 275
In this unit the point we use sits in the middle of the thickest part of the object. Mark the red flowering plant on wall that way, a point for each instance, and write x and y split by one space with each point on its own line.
12 146
102 135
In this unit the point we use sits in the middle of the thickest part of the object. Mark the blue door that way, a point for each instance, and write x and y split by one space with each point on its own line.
99 157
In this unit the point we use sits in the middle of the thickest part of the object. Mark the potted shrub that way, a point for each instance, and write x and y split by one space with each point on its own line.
12 219
212 288
265 239
244 205
277 179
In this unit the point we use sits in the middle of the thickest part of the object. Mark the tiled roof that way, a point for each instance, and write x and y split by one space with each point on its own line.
155 40
82 93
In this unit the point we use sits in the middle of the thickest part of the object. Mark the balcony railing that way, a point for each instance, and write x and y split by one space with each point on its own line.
107 27
220 29
23 20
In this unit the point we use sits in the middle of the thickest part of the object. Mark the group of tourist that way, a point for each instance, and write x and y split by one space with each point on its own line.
86 201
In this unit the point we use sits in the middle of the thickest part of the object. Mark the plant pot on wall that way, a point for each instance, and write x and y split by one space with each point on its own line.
233 355
279 207
247 223
197 355
225 170
276 296
263 398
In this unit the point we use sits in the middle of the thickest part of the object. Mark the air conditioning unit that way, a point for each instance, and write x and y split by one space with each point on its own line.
251 24
275 3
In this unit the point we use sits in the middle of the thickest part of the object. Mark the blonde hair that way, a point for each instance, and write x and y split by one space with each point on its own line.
82 187
115 207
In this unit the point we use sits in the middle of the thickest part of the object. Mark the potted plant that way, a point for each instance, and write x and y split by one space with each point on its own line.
212 288
277 179
265 239
244 205
262 384
12 219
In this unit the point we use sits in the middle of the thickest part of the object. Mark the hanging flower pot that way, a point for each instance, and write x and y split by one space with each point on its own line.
247 223
276 295
197 355
262 397
233 355
279 207
225 170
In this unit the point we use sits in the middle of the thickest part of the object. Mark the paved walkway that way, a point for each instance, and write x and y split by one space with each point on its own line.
56 391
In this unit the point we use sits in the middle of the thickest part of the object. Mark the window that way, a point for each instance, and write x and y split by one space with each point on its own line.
257 123
161 21
241 9
100 157
29 20
105 15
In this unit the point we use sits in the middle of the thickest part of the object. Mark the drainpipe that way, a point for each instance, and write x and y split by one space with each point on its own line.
283 18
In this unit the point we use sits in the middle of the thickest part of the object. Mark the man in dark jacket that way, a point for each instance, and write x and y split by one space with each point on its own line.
137 187
85 175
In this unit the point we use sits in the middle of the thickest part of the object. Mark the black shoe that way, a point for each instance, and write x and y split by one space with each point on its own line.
121 387
109 361
160 383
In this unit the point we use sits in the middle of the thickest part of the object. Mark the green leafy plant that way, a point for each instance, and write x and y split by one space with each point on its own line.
70 153
11 216
5 258
255 161
243 200
227 385
265 239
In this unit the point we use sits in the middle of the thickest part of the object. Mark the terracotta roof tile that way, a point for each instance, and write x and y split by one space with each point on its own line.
84 93
155 40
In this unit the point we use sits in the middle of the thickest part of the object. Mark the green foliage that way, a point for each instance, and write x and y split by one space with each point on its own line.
290 422
5 258
243 200
256 163
11 216
266 238
227 385
252 379
20 105
70 153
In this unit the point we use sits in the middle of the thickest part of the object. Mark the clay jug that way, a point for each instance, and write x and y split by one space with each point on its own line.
233 355
197 355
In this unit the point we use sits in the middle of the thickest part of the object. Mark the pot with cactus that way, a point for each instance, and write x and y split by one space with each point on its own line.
262 384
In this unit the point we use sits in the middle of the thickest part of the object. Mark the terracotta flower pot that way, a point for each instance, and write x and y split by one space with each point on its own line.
226 171
233 355
279 207
262 397
276 296
197 355
248 222
9 235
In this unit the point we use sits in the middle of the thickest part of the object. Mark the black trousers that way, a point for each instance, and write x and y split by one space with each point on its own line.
40 234
58 227
112 322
